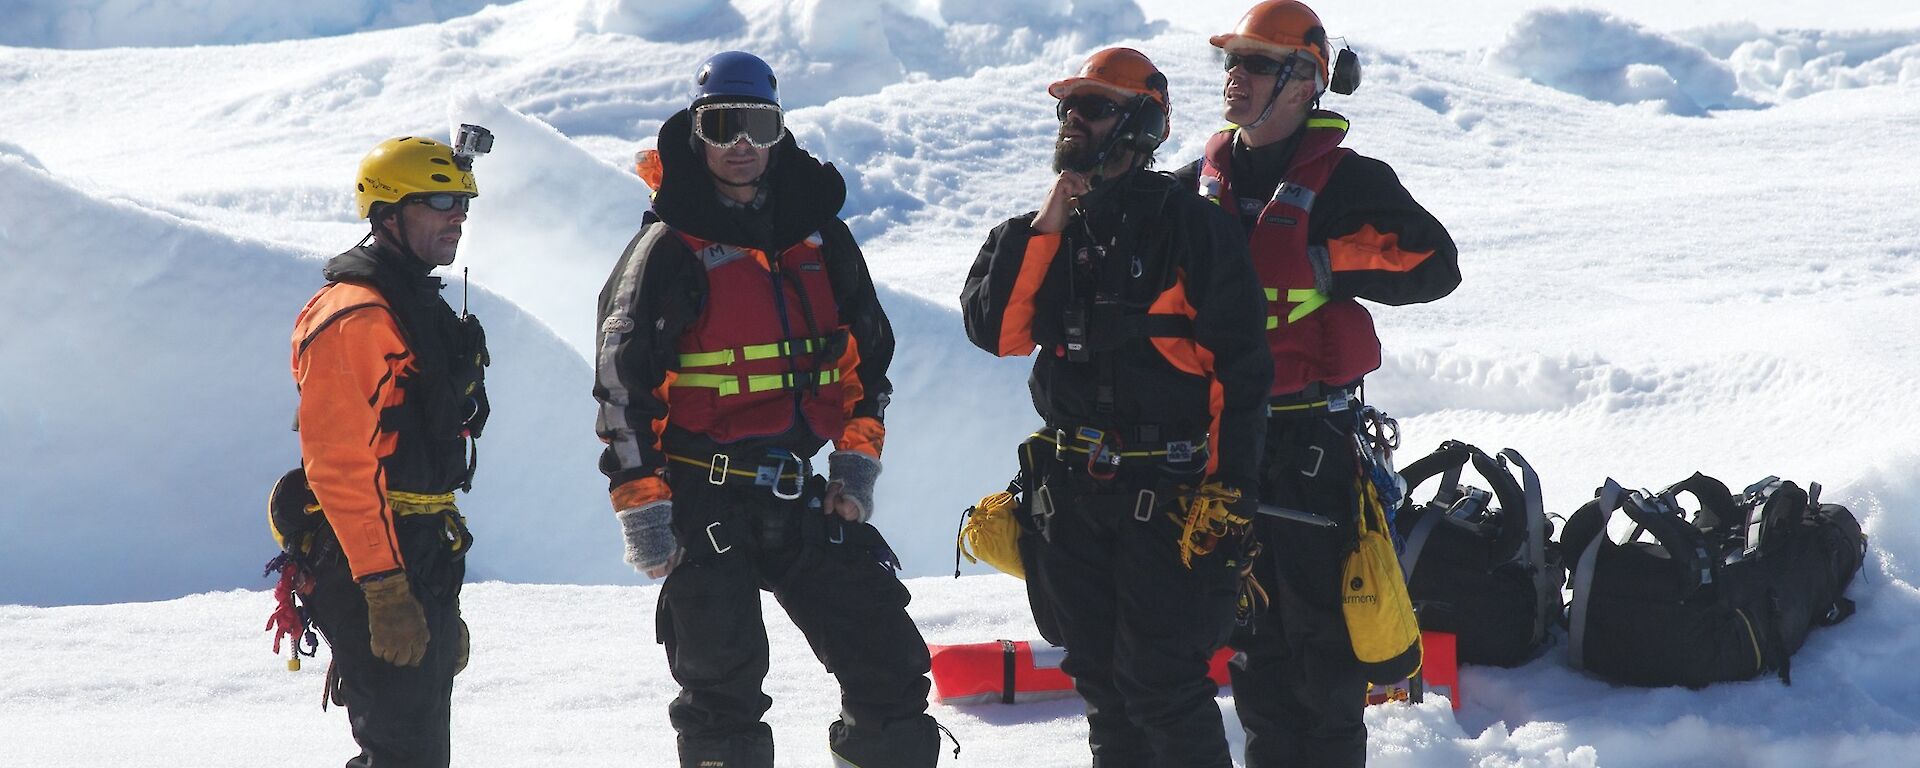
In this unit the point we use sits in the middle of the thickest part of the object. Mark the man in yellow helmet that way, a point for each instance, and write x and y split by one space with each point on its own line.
1151 376
1324 227
391 394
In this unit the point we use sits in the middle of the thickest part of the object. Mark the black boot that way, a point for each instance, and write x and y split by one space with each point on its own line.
906 743
739 751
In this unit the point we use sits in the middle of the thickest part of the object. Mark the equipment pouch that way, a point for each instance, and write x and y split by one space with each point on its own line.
1037 465
1380 619
991 533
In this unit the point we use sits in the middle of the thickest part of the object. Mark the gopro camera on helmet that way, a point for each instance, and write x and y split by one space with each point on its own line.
472 141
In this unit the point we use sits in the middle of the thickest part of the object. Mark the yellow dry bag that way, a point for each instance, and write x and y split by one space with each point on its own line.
991 534
1380 620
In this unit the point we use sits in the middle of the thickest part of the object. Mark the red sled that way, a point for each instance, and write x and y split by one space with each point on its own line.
1018 671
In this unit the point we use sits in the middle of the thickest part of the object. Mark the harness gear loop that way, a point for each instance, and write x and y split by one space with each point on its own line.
1208 520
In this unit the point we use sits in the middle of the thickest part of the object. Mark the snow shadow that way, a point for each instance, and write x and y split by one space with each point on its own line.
180 23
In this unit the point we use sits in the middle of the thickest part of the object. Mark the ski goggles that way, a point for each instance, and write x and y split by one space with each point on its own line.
721 125
443 201
1088 106
1258 65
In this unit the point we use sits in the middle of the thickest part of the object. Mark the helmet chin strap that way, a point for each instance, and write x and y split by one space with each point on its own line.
1279 84
1099 162
398 239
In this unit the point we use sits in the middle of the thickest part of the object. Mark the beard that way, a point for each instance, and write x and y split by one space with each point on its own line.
1077 156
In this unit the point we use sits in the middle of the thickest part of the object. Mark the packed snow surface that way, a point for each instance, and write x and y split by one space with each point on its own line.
1689 231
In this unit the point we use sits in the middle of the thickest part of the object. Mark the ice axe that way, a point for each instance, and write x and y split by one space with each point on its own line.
1294 515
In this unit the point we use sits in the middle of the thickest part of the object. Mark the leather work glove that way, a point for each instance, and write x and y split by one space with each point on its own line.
466 648
651 548
396 626
850 487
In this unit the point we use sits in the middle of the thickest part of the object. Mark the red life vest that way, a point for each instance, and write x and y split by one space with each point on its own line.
758 354
1314 338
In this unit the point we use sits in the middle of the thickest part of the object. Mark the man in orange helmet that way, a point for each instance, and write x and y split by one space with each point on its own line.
1151 377
392 394
1325 227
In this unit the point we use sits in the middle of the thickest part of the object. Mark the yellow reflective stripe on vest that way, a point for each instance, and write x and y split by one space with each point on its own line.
760 382
706 359
752 352
1306 300
1328 122
771 381
728 385
782 348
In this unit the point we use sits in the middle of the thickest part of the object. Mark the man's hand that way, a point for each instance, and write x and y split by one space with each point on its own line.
1060 202
396 626
850 491
651 548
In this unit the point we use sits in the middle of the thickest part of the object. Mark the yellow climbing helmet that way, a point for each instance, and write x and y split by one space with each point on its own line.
410 165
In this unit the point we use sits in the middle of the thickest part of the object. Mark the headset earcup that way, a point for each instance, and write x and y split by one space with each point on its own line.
1346 73
1147 127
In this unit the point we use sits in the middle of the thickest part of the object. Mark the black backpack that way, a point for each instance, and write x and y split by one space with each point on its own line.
1481 564
1725 594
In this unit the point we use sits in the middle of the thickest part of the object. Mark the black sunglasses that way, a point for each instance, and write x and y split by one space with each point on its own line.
1087 106
1256 65
443 201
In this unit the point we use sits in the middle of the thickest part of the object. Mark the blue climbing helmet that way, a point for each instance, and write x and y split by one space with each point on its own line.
735 94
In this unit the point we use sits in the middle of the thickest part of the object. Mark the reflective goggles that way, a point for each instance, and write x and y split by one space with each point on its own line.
443 201
1257 65
721 125
1087 106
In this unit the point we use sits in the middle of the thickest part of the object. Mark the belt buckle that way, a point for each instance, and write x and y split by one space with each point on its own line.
718 468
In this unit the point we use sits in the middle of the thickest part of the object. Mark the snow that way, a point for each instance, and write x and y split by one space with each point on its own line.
116 23
1688 230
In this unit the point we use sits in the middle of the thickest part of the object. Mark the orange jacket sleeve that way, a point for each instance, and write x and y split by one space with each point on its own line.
999 299
347 355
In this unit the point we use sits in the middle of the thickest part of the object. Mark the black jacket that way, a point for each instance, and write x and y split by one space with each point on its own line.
1147 244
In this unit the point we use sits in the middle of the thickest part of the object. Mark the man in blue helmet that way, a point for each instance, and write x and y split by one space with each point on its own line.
739 334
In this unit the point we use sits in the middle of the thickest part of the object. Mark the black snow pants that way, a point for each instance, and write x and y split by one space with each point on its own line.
1139 627
399 715
1297 687
830 577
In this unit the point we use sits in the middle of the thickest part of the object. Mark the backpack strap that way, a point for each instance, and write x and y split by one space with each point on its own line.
1661 515
1657 514
1611 495
1447 462
1721 515
1535 520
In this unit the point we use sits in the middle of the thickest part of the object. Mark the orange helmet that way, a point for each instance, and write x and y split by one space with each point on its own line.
1279 27
1121 72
